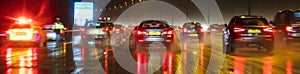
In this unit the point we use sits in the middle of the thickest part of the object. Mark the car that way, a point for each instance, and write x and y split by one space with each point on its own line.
151 31
99 30
118 29
51 35
192 30
216 28
288 23
25 32
248 31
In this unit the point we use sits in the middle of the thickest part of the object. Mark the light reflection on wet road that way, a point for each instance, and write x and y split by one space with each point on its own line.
189 57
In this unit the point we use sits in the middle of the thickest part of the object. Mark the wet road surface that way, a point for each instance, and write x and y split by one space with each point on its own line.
88 56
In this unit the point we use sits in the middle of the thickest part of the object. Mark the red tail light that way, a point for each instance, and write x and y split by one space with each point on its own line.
289 28
269 29
201 29
168 32
184 30
237 29
106 29
141 32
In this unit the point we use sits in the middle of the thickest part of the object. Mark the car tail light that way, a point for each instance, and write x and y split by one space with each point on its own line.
237 29
82 29
168 32
213 29
289 28
201 29
184 30
268 29
139 32
106 29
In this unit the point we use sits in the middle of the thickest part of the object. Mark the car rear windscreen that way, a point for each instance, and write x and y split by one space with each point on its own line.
100 25
253 21
154 25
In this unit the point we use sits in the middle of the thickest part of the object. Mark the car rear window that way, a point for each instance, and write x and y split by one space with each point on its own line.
118 26
154 24
100 25
190 25
253 21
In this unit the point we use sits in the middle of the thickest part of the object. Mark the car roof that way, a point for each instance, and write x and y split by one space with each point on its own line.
249 16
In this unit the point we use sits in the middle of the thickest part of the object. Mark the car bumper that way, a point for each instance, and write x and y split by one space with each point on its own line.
253 42
293 37
192 34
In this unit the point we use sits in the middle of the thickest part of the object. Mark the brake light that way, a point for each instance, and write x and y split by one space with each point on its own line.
289 28
236 29
269 29
106 29
201 29
141 33
168 32
184 30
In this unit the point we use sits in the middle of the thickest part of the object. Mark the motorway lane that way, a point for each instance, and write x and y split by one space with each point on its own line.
89 56
53 58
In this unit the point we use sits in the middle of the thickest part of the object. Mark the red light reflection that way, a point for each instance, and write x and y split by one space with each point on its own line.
239 65
21 60
141 63
268 65
168 63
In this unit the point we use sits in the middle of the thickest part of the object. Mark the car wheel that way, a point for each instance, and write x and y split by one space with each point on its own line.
228 46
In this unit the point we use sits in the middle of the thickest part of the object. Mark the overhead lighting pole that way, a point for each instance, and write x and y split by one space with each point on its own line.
249 7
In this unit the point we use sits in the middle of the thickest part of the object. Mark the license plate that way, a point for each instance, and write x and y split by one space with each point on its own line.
254 31
117 29
193 34
154 33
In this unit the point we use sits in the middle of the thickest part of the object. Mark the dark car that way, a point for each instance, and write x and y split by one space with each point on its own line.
248 31
151 31
192 30
118 29
288 23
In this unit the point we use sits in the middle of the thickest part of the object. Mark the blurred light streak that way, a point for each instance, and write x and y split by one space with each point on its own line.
289 67
239 65
268 65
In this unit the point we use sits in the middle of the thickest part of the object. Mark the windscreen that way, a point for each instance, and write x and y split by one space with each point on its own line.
100 25
154 24
118 26
253 21
190 26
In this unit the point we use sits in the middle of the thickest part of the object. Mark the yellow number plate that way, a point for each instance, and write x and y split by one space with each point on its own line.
254 31
193 34
154 33
117 30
